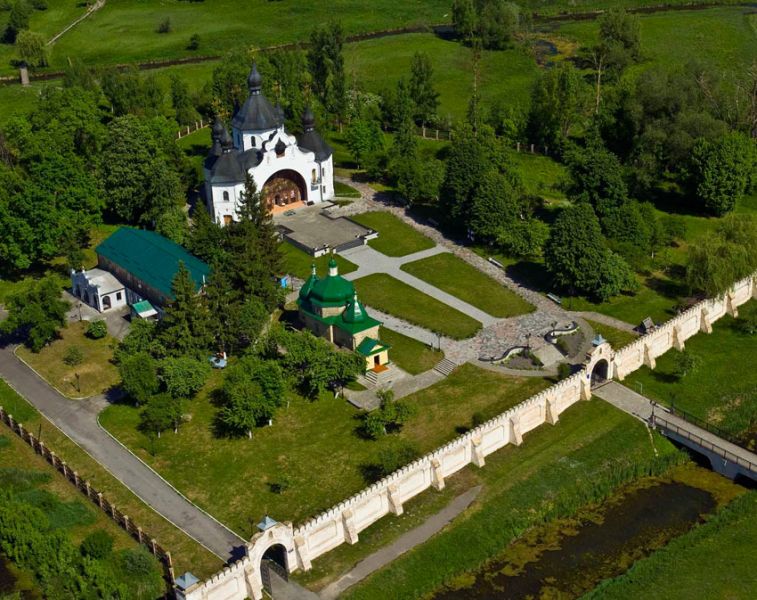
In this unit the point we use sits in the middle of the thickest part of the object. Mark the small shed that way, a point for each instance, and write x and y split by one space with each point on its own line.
143 310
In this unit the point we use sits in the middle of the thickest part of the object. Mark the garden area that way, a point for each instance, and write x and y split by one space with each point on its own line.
395 237
299 263
77 364
313 455
397 298
713 378
456 277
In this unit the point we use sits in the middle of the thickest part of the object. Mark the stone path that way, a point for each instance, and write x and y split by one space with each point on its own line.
405 542
79 421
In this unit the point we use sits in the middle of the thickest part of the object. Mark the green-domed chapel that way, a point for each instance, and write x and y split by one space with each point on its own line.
329 307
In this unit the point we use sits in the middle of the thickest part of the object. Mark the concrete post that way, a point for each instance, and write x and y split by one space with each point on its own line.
551 415
516 437
350 532
140 535
64 468
705 325
649 359
126 523
437 477
532 148
100 500
678 339
730 306
154 546
477 455
395 503
302 553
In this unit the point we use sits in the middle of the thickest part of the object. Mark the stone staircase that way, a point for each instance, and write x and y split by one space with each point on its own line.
445 367
380 379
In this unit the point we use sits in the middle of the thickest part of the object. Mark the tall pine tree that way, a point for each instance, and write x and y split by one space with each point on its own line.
185 327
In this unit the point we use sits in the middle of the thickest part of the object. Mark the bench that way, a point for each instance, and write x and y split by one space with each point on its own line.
554 298
496 263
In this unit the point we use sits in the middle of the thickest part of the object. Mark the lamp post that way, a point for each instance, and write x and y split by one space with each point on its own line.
528 342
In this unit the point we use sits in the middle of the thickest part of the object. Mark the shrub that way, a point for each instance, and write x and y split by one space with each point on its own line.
164 26
97 545
194 42
137 562
391 459
97 329
477 419
564 371
73 356
38 4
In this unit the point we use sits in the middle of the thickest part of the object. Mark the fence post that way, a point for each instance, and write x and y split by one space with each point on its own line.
140 535
546 150
517 147
64 468
153 546
532 148
126 523
437 134
100 500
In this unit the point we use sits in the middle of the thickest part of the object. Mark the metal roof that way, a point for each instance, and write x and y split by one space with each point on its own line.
151 258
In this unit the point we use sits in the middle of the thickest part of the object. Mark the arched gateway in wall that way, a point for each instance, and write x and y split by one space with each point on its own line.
284 189
599 367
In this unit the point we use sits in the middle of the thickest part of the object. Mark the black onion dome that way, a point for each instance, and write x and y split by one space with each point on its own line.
218 128
225 139
227 168
254 80
311 140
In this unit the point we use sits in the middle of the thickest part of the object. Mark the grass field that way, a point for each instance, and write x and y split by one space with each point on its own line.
395 237
617 337
711 561
312 447
409 354
712 391
187 554
342 190
458 278
520 484
97 373
392 296
299 263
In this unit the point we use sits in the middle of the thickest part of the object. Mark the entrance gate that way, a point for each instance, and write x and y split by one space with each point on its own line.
273 562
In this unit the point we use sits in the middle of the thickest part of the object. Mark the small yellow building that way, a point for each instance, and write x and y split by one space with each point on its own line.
329 307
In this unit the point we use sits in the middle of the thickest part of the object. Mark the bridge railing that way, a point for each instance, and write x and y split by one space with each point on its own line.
706 425
742 461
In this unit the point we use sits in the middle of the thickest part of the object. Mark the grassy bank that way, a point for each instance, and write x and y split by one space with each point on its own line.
392 296
299 263
409 354
396 238
592 449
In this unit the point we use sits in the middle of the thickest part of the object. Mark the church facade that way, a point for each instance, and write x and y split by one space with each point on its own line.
290 171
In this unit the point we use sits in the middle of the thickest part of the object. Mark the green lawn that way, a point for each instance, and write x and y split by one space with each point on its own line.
392 296
711 391
520 488
96 373
409 354
396 238
456 277
312 445
617 337
299 263
342 190
186 553
713 561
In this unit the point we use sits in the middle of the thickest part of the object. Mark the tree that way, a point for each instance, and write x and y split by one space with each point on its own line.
364 138
183 376
37 313
721 258
577 259
620 38
73 356
464 19
596 177
557 103
194 42
685 363
18 20
31 48
185 327
139 376
97 329
498 21
425 97
326 66
496 205
162 412
389 417
205 237
721 171
97 545
181 101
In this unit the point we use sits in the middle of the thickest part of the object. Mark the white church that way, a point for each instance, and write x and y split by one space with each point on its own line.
291 171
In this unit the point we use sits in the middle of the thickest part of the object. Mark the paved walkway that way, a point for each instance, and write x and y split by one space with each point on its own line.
78 420
604 320
405 542
92 9
370 261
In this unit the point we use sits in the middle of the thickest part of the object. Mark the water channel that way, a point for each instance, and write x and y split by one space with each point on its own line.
568 558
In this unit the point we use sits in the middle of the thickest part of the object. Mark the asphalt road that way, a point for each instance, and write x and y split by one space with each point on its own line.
78 420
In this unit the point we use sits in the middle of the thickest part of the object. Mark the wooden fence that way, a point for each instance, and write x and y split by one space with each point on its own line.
96 497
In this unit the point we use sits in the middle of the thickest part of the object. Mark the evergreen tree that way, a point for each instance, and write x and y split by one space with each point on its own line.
185 327
205 236
326 65
185 112
425 97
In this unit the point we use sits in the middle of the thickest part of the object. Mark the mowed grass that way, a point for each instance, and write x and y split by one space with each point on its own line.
125 31
392 296
396 238
722 388
410 355
342 190
617 337
519 485
97 373
187 554
456 277
313 446
299 263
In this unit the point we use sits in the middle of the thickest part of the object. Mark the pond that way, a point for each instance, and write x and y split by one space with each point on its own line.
568 558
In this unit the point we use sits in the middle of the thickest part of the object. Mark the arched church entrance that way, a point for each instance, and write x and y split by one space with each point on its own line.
600 372
273 564
284 190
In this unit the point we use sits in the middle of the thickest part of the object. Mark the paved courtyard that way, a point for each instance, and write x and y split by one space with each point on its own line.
312 227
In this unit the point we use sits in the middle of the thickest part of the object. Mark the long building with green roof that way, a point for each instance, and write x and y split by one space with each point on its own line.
330 308
134 265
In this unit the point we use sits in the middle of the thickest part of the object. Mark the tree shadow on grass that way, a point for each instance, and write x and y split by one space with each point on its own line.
530 274
664 377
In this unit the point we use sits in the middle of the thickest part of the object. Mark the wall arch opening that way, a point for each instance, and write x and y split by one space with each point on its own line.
273 563
284 189
599 374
